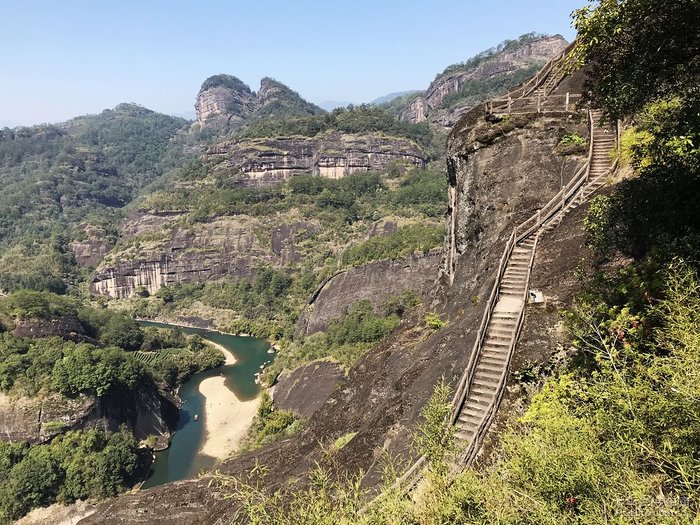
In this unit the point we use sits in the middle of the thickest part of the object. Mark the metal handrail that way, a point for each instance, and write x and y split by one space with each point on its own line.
556 203
540 104
485 423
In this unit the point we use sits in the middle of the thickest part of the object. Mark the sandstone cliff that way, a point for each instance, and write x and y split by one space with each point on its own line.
225 246
227 100
263 161
374 282
38 419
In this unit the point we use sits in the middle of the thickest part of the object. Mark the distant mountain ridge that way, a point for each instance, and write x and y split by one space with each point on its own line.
393 96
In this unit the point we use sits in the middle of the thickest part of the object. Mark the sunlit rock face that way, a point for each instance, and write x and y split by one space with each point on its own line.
259 162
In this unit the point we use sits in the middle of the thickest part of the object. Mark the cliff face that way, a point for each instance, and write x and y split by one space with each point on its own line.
499 174
264 161
38 419
225 99
208 251
428 105
375 282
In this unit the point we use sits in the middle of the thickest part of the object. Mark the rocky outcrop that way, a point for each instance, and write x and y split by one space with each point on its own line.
374 282
38 419
67 327
264 161
304 390
90 252
225 99
145 412
427 105
226 246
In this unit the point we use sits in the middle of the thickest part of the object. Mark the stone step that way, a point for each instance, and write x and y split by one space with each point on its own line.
494 356
499 330
469 419
484 384
488 374
501 336
490 370
464 435
504 323
472 411
515 285
479 400
488 392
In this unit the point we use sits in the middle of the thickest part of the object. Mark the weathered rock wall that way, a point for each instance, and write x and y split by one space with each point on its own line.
426 105
375 282
259 162
304 390
226 246
499 175
38 419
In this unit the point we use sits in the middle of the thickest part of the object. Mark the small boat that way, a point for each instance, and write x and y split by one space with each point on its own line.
196 417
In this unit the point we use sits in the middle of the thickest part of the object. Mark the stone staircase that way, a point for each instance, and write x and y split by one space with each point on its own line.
494 354
481 387
604 141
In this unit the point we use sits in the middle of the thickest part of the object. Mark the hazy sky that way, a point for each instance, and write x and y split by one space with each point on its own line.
63 58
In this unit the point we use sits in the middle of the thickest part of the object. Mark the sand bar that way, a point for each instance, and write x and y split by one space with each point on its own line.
226 418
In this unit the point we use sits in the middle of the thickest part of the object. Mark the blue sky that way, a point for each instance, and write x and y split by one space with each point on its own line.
70 57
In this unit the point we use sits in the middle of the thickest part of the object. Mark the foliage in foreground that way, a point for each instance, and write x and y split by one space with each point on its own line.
76 465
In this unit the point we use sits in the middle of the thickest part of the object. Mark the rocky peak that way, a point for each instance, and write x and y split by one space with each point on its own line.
224 96
275 98
228 99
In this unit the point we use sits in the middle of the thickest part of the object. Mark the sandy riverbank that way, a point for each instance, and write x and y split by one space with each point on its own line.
226 418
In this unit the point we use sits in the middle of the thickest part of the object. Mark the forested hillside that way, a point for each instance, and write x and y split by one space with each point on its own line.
61 180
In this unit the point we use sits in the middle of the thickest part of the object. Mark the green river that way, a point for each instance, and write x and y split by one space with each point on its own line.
182 459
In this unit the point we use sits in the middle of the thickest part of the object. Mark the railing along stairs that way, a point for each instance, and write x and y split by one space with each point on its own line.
481 386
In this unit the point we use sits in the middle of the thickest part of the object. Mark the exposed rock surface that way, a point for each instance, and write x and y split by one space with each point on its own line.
226 246
66 327
38 419
224 96
375 282
90 252
304 390
264 161
427 105
225 99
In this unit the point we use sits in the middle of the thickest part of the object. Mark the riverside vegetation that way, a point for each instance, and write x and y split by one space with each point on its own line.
104 360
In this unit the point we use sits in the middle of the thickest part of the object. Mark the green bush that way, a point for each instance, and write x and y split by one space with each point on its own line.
76 465
405 241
